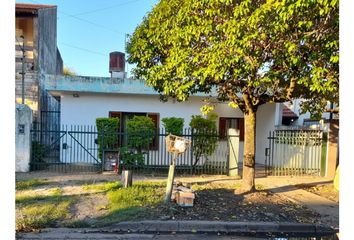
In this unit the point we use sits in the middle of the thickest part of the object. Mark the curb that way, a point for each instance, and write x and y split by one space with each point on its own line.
220 228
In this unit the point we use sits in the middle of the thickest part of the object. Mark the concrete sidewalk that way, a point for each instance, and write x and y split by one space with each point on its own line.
286 187
204 229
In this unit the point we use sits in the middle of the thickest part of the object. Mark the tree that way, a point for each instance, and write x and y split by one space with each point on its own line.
69 72
250 52
205 136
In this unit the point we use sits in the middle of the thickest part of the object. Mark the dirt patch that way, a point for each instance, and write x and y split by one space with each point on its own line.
224 204
324 190
89 207
64 178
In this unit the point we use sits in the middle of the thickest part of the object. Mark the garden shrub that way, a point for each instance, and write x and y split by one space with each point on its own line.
107 129
205 136
173 125
140 134
140 130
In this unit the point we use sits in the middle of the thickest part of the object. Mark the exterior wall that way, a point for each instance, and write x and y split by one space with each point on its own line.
84 110
59 63
265 122
87 107
47 40
31 83
23 118
25 26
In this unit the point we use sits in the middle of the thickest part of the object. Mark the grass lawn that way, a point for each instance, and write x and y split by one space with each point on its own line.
39 205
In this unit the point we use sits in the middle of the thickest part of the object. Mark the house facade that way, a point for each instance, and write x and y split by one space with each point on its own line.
83 99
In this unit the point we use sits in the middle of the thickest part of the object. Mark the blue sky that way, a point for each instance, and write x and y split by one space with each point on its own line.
88 30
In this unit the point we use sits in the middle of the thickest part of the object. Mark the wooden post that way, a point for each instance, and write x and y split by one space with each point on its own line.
127 178
171 176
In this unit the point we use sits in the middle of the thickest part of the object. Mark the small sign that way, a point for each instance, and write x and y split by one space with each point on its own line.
21 129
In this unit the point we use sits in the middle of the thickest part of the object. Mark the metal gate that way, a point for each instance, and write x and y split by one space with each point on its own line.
65 150
294 152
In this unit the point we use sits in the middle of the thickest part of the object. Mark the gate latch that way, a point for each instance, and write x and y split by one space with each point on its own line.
267 152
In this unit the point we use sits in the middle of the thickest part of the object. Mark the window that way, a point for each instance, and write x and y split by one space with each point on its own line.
226 123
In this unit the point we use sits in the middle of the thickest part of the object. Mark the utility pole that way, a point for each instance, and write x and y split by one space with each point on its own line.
23 68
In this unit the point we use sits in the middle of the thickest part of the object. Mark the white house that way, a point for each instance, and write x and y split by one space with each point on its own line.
83 99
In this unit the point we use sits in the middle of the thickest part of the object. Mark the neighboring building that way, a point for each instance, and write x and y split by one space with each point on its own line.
291 117
36 34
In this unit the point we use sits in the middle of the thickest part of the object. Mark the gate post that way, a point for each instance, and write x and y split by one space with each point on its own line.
233 136
23 120
332 152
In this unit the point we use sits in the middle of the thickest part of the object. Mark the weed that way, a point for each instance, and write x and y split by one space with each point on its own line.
41 215
103 187
133 202
29 184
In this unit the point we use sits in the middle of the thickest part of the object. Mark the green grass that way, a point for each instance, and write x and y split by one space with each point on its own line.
40 215
30 184
102 187
49 208
34 211
133 202
29 197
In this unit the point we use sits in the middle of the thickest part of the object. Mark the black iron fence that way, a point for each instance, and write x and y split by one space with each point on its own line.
83 149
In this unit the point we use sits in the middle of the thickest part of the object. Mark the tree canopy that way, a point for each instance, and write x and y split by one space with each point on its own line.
250 52
273 50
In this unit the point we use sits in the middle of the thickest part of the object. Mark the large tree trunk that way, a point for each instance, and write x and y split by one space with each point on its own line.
248 173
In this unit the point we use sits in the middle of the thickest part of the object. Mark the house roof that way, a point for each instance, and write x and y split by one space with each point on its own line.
287 112
31 8
105 85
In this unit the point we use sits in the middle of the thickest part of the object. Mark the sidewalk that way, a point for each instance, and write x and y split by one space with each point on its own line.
183 230
328 210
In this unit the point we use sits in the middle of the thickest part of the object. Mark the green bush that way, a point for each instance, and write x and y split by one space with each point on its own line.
140 130
129 158
173 125
39 151
140 134
205 136
107 129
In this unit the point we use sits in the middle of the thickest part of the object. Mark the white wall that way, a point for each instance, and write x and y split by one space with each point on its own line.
23 117
266 119
88 106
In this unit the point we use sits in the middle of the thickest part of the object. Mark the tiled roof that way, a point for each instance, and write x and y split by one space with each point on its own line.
28 6
287 112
